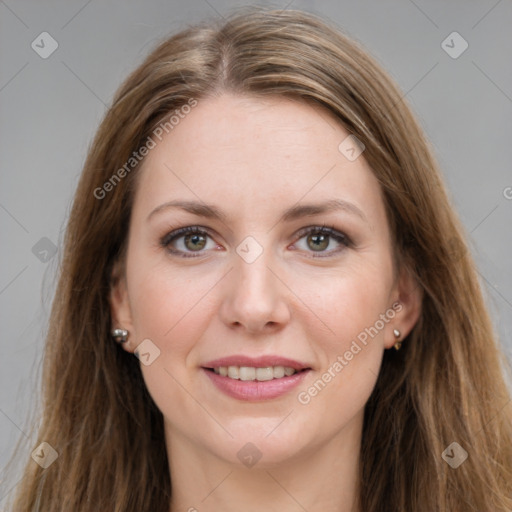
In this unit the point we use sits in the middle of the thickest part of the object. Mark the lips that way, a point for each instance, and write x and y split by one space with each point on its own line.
256 362
245 378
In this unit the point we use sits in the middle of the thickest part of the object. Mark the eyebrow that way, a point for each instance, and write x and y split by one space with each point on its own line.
295 212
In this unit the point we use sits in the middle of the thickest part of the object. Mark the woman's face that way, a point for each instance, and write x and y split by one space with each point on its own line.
259 279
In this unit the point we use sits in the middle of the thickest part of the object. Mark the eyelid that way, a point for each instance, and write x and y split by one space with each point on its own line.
185 230
322 229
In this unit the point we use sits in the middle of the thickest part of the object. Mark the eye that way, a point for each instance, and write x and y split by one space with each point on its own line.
319 238
185 241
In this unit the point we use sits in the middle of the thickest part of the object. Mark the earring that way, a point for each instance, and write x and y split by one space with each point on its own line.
397 335
120 335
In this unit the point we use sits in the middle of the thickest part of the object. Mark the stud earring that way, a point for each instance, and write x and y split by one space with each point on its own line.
120 335
398 342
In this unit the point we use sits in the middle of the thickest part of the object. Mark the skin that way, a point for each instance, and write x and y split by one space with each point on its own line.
253 158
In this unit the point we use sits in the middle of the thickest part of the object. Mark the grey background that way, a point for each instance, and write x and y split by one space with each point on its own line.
50 109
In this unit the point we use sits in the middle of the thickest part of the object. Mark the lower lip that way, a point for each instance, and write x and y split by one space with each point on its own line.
254 390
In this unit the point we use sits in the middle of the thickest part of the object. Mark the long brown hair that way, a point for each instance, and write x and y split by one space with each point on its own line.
447 384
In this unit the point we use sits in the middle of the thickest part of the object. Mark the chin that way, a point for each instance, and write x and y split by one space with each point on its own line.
262 442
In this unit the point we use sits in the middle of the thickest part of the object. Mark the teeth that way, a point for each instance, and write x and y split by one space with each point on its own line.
248 373
278 372
233 372
264 373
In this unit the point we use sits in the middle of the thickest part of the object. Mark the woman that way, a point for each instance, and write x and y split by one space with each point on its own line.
261 222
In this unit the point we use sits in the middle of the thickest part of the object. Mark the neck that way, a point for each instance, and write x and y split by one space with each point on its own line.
323 477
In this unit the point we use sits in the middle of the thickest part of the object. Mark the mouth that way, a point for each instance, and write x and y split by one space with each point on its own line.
255 383
255 379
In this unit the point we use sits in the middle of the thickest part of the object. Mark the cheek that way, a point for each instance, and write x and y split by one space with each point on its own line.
354 309
338 393
173 310
170 307
346 301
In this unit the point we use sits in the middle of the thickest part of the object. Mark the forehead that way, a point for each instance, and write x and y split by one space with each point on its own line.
270 128
253 152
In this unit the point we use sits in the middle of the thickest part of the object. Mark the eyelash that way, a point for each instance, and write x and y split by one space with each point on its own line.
338 236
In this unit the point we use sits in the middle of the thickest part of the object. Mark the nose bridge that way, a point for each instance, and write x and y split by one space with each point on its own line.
252 270
255 297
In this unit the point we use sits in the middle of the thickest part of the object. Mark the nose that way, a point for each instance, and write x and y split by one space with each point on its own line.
255 297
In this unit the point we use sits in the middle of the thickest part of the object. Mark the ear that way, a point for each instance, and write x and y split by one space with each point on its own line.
120 305
407 298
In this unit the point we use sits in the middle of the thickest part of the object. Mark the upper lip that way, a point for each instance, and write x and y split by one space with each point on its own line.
256 362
